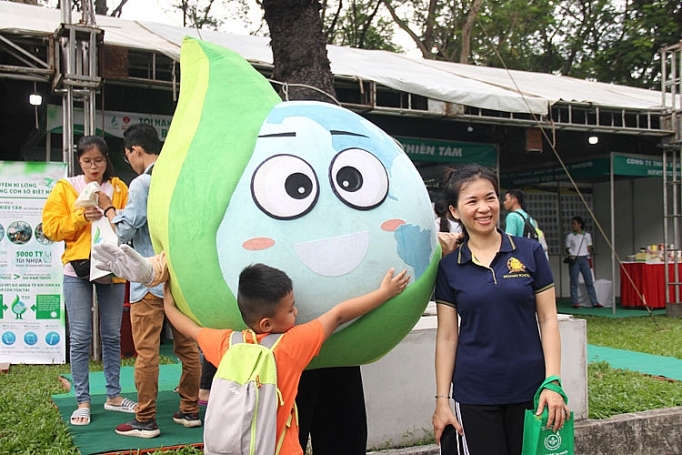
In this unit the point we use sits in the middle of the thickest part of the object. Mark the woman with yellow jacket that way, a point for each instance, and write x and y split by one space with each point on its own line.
63 221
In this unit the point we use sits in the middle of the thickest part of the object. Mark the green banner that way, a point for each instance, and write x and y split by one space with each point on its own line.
113 123
32 314
639 166
594 169
419 149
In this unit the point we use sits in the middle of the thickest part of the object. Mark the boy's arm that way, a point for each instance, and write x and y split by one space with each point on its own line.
356 307
181 322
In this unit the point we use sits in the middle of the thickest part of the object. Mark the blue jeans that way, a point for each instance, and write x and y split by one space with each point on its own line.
582 266
78 301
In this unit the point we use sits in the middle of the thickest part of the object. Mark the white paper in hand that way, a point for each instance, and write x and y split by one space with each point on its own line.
88 197
102 232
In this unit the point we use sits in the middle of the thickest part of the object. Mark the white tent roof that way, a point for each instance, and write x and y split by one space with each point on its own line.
475 86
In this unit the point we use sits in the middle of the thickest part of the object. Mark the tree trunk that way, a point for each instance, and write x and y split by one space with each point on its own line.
299 49
101 7
466 31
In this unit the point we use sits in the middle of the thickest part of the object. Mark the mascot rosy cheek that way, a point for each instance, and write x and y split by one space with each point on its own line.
307 187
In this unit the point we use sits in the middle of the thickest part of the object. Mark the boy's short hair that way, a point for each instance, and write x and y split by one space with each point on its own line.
145 136
518 195
261 288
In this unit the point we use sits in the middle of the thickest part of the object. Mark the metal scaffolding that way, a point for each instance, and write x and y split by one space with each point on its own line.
77 72
671 90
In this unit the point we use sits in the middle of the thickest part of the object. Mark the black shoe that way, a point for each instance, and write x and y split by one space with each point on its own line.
188 420
576 305
599 305
139 429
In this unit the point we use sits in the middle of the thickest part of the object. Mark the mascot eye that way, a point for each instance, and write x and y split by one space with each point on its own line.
284 187
359 179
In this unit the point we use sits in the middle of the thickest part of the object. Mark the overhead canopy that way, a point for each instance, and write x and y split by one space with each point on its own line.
475 86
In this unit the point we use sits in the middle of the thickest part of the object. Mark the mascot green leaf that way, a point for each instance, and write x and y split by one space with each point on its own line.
309 188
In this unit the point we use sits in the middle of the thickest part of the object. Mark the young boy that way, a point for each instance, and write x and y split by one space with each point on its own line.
266 301
141 148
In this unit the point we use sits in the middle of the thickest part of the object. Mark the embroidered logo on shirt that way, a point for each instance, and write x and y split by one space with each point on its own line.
515 266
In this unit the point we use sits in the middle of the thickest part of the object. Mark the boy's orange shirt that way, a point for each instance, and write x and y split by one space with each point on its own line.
293 353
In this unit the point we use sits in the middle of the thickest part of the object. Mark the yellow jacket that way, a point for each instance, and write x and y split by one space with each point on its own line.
64 222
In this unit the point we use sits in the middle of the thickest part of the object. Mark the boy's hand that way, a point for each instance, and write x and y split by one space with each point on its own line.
449 241
168 300
179 321
394 285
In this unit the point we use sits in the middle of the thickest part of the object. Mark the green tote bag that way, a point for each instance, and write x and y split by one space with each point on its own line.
539 440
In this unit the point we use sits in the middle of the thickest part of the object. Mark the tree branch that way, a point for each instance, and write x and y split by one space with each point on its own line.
426 53
117 11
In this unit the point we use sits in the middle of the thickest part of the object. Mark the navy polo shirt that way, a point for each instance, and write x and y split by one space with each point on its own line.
499 357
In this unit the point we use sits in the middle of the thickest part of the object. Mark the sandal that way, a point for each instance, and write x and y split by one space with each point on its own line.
126 405
81 416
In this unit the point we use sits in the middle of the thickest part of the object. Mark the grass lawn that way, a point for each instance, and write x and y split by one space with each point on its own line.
30 424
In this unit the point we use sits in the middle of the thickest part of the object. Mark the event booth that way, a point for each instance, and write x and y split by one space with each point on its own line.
625 197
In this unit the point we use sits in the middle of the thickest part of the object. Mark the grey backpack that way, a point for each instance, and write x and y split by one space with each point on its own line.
241 417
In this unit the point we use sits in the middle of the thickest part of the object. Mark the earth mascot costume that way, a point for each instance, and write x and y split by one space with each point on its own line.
307 187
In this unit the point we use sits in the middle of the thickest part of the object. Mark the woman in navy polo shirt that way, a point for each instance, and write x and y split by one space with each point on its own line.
496 359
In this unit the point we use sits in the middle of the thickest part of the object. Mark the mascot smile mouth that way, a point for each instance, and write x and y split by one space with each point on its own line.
334 256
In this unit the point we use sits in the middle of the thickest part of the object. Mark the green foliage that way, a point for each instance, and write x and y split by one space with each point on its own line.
604 40
29 422
198 14
612 391
25 404
658 335
358 25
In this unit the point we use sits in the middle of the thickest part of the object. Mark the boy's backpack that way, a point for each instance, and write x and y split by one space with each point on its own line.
533 232
241 416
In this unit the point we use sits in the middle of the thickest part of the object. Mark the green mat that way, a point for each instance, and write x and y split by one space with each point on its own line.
564 306
100 438
169 376
656 365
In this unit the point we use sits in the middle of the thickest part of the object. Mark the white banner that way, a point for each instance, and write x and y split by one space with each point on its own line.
113 123
32 314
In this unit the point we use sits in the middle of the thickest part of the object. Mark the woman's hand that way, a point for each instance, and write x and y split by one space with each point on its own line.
103 200
442 417
558 411
92 213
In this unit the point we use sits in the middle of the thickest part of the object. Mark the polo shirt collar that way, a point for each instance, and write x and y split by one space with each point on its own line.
507 246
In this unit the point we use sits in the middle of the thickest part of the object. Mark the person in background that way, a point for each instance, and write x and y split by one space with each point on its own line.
444 223
63 221
208 371
141 148
492 363
267 304
579 247
516 218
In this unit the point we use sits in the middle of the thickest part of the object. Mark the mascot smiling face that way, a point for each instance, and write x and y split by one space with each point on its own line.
307 187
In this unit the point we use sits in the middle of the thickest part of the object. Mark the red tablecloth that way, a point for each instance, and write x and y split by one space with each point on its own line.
650 281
